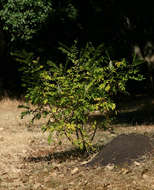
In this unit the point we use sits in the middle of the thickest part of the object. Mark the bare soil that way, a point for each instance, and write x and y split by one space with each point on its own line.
124 149
28 162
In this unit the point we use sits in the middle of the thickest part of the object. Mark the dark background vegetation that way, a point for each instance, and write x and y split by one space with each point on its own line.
119 24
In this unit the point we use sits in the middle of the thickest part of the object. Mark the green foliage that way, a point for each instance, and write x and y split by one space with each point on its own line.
66 94
23 18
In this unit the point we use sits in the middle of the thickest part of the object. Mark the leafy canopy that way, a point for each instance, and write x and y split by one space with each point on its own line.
23 18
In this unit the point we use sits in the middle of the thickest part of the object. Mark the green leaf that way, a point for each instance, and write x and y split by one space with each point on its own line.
107 88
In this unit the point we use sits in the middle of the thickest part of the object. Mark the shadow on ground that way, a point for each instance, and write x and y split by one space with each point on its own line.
58 156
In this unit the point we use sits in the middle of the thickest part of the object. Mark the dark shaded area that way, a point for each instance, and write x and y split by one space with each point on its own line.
141 116
136 110
132 110
59 156
120 25
10 79
123 150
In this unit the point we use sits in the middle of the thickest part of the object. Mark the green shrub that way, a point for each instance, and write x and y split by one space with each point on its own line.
23 18
67 93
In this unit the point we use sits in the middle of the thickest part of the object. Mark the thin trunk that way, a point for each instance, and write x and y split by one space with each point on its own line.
92 138
83 140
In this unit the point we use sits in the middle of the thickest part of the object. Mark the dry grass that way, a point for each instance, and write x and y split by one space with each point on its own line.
27 162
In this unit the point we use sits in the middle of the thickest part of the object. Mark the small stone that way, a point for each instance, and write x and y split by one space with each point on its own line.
74 171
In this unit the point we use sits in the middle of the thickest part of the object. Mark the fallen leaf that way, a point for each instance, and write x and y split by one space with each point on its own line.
137 163
74 171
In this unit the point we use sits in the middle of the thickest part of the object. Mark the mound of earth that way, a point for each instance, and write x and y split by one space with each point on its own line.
123 149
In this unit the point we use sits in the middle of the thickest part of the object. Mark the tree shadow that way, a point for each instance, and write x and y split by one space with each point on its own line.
61 156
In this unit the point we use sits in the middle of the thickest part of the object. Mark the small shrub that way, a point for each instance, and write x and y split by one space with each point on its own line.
67 93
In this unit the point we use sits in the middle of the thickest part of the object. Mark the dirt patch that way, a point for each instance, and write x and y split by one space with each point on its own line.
123 149
28 162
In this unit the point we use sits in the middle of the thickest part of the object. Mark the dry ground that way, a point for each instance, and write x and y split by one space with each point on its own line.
27 162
